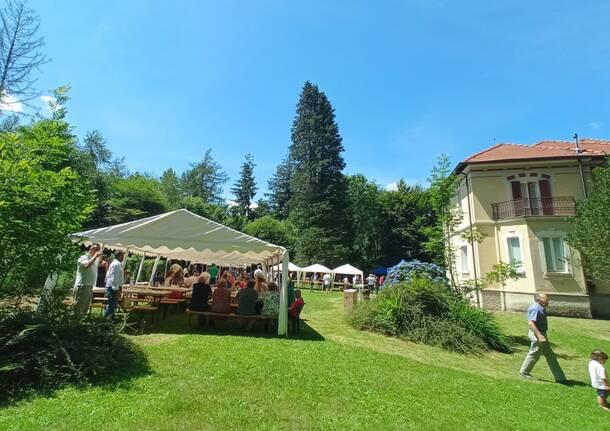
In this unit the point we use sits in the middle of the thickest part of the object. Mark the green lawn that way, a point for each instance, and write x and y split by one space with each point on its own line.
334 377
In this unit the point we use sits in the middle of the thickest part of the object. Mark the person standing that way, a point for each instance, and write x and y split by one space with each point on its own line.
102 269
115 277
326 281
258 272
538 326
213 274
86 275
370 281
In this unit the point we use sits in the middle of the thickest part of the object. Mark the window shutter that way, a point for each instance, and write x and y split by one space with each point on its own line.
516 187
545 197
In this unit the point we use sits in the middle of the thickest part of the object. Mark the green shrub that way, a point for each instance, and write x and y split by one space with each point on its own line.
43 352
427 311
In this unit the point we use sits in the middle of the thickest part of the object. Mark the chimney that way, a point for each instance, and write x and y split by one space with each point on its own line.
578 149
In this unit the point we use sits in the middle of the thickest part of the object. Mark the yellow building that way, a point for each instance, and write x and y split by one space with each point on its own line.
521 198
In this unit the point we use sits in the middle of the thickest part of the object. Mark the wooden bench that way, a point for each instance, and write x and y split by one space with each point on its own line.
249 317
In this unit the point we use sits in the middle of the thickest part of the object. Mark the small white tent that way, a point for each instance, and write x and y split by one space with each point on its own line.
183 235
348 269
316 267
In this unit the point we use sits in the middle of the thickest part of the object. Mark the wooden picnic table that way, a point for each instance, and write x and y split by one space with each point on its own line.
171 288
140 291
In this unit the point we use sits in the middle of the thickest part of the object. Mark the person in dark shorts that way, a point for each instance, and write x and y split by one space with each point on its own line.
599 377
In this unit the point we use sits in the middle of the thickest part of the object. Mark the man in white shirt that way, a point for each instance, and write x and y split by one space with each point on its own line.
370 281
115 278
86 275
326 281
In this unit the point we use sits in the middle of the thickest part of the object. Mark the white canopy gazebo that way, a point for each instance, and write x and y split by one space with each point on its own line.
186 236
348 269
316 267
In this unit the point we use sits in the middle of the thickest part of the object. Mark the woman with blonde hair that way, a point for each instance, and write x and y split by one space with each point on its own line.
221 298
202 291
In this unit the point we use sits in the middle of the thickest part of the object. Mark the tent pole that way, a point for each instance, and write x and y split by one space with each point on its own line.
126 256
154 270
140 268
282 326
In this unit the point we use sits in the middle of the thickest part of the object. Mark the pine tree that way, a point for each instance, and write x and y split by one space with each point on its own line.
170 186
280 191
319 202
244 189
205 179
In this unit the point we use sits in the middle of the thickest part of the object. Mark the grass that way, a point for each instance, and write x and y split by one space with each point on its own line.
332 377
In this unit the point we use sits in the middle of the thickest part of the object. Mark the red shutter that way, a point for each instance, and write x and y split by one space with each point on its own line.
545 197
516 186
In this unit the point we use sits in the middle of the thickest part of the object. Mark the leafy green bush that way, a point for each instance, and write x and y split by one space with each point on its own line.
427 311
43 352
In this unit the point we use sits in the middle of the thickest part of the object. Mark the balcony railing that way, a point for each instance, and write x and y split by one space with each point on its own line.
555 206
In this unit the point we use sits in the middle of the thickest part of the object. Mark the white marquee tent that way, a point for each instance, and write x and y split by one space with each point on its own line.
186 236
348 269
316 268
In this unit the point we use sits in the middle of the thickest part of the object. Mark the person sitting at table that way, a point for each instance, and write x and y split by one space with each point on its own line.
225 277
202 291
246 299
271 301
190 279
260 285
221 298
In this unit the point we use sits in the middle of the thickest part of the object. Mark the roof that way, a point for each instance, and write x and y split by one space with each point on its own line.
347 269
183 235
316 268
547 149
291 267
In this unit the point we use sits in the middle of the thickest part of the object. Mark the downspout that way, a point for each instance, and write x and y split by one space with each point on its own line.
474 256
582 176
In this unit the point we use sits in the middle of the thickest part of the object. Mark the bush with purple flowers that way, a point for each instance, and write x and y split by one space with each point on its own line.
406 271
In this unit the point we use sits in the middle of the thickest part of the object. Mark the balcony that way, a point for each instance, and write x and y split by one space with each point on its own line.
555 206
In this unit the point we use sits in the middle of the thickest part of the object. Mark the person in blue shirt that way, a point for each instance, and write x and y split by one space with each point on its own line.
538 326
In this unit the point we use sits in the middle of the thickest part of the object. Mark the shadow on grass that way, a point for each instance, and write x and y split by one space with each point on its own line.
179 324
112 367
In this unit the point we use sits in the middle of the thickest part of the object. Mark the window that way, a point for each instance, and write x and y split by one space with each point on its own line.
514 253
555 254
464 259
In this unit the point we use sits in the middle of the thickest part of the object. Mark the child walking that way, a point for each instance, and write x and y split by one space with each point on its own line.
599 378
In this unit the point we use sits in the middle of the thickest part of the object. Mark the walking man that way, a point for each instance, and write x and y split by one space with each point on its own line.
114 281
86 275
536 317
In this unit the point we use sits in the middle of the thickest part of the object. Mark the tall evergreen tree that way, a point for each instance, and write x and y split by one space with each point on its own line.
170 186
205 179
244 189
319 203
280 191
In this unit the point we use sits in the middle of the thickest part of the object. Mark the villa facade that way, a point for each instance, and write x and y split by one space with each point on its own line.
520 198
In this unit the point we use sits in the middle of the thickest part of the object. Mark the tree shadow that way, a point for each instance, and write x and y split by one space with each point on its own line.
518 340
118 367
179 324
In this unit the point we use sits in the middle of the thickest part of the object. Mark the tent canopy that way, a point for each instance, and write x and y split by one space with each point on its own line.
291 267
316 268
380 271
347 269
183 235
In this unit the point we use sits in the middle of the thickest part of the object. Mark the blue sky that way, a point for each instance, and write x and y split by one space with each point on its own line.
409 80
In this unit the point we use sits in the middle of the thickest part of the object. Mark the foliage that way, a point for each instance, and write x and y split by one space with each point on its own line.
215 212
366 221
442 189
427 311
43 352
42 201
502 272
590 229
280 189
244 189
269 229
318 207
204 179
171 188
404 272
135 197
20 53
405 214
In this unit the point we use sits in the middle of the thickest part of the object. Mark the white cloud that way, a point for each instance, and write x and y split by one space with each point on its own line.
392 187
11 104
253 206
594 125
231 203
